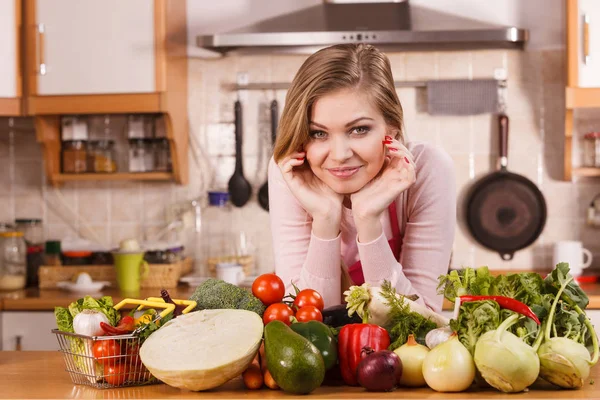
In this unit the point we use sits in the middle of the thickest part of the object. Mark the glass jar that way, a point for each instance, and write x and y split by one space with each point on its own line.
162 155
101 156
591 149
217 239
140 126
74 156
137 153
12 261
33 233
52 256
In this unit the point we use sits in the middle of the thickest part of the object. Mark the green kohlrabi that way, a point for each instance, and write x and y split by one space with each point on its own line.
504 360
564 358
474 319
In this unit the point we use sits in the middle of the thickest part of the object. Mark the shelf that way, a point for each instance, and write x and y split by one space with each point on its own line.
121 176
586 172
577 97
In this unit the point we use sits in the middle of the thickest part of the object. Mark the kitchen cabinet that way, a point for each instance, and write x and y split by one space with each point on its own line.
28 330
10 57
583 72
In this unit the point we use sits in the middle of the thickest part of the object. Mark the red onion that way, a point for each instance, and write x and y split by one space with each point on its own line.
379 371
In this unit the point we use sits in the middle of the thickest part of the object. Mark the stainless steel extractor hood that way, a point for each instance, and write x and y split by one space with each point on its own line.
390 25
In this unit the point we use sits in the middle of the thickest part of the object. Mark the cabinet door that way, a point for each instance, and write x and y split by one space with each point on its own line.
589 49
9 50
31 329
94 47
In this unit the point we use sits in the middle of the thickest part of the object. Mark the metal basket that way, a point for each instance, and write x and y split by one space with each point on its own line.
110 371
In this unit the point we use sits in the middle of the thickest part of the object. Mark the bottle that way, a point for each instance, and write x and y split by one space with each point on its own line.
33 233
52 256
216 238
12 261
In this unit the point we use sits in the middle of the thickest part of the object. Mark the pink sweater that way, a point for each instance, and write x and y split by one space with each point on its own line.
426 217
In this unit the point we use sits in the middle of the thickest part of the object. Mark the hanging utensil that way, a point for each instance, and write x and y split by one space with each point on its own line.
263 193
239 188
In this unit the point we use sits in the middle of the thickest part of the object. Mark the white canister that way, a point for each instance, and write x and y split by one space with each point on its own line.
231 272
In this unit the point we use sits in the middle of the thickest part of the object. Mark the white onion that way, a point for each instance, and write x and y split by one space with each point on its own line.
412 355
437 336
449 367
87 323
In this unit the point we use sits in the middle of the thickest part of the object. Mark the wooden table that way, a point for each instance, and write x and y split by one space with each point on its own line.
42 375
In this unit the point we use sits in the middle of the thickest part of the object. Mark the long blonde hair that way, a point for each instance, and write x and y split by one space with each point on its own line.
344 66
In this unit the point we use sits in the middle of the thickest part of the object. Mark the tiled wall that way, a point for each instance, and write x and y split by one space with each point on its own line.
535 100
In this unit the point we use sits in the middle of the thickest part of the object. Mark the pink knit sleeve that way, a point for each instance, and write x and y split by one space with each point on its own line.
301 257
428 236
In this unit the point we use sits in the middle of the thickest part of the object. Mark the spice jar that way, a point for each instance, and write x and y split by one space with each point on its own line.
74 156
141 155
12 261
162 155
101 156
591 149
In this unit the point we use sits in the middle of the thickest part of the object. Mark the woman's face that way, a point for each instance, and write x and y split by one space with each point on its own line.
345 148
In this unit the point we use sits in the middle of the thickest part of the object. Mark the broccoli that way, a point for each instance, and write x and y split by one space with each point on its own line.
215 294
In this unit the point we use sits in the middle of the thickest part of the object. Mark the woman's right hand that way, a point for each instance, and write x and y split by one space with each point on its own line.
318 199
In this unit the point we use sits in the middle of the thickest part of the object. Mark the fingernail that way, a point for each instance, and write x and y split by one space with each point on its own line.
393 149
300 159
388 138
386 141
406 159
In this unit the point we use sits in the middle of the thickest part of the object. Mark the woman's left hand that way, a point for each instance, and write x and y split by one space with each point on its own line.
397 175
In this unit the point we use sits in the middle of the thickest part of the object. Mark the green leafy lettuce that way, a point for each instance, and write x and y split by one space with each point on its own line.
474 319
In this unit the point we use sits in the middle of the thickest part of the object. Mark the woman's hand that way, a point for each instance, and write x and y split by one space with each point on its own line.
397 175
319 200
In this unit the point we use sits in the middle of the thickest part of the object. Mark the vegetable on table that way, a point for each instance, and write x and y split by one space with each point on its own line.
189 353
337 316
412 355
106 352
449 367
438 336
253 376
268 288
280 312
309 313
308 297
88 323
505 302
214 294
351 340
379 371
322 337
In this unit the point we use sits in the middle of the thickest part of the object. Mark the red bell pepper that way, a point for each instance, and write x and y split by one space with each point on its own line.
505 302
351 340
126 325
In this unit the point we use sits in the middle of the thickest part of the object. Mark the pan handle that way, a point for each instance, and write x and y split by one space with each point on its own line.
503 129
507 256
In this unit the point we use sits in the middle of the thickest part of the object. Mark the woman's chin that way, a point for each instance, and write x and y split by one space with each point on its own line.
347 187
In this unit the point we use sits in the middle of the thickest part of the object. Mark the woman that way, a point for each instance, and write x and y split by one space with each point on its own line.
349 200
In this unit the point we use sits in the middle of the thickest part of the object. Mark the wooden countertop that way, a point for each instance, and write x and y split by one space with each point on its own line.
42 375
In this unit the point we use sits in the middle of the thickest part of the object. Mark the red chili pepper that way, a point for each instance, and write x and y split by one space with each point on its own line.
351 340
506 302
126 325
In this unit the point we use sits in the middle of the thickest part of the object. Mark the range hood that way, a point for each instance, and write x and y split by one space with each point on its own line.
389 25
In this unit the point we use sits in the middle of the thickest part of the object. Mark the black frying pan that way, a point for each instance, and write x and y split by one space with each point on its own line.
505 212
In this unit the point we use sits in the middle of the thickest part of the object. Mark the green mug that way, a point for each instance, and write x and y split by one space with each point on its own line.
131 269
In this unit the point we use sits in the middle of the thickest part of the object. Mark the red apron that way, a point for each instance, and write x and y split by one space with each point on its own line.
355 271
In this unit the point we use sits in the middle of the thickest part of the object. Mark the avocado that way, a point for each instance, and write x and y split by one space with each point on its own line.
295 363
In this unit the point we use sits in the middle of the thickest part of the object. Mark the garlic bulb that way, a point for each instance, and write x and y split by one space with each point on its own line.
87 323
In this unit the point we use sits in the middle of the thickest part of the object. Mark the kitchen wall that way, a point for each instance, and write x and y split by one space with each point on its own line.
112 211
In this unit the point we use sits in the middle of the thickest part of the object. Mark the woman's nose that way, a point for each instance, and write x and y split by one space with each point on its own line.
340 150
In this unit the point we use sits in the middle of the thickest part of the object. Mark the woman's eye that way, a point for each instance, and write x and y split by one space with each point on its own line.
318 134
361 130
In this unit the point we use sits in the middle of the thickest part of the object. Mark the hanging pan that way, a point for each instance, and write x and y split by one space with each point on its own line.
505 211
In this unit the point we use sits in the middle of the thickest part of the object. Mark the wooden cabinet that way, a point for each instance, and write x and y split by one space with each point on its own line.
28 331
10 57
583 72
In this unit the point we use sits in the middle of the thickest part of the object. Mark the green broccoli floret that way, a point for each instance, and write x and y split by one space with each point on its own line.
215 294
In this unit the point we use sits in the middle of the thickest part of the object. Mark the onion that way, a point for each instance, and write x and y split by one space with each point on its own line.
379 371
437 336
412 355
449 367
87 323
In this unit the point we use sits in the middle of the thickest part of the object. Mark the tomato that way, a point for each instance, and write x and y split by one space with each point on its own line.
106 351
132 356
309 297
268 288
309 313
278 311
116 374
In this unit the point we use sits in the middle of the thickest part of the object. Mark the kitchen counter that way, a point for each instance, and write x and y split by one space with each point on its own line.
42 375
46 300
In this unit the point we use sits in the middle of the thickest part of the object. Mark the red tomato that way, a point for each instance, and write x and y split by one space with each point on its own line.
309 313
309 297
116 374
269 289
278 311
106 351
132 356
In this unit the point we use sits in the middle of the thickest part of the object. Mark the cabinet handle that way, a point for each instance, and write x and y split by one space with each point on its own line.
586 39
41 31
18 343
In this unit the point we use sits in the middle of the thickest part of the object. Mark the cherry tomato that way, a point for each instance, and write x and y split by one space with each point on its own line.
106 351
278 311
268 288
309 313
309 297
116 374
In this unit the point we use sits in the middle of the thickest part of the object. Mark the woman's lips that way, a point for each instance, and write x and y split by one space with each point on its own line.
343 172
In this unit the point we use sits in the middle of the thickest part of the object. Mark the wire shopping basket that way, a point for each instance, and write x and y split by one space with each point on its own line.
112 361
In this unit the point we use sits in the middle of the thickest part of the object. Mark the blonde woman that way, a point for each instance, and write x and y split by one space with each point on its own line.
350 200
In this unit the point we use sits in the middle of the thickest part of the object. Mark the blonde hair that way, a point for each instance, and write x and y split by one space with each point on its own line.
344 66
